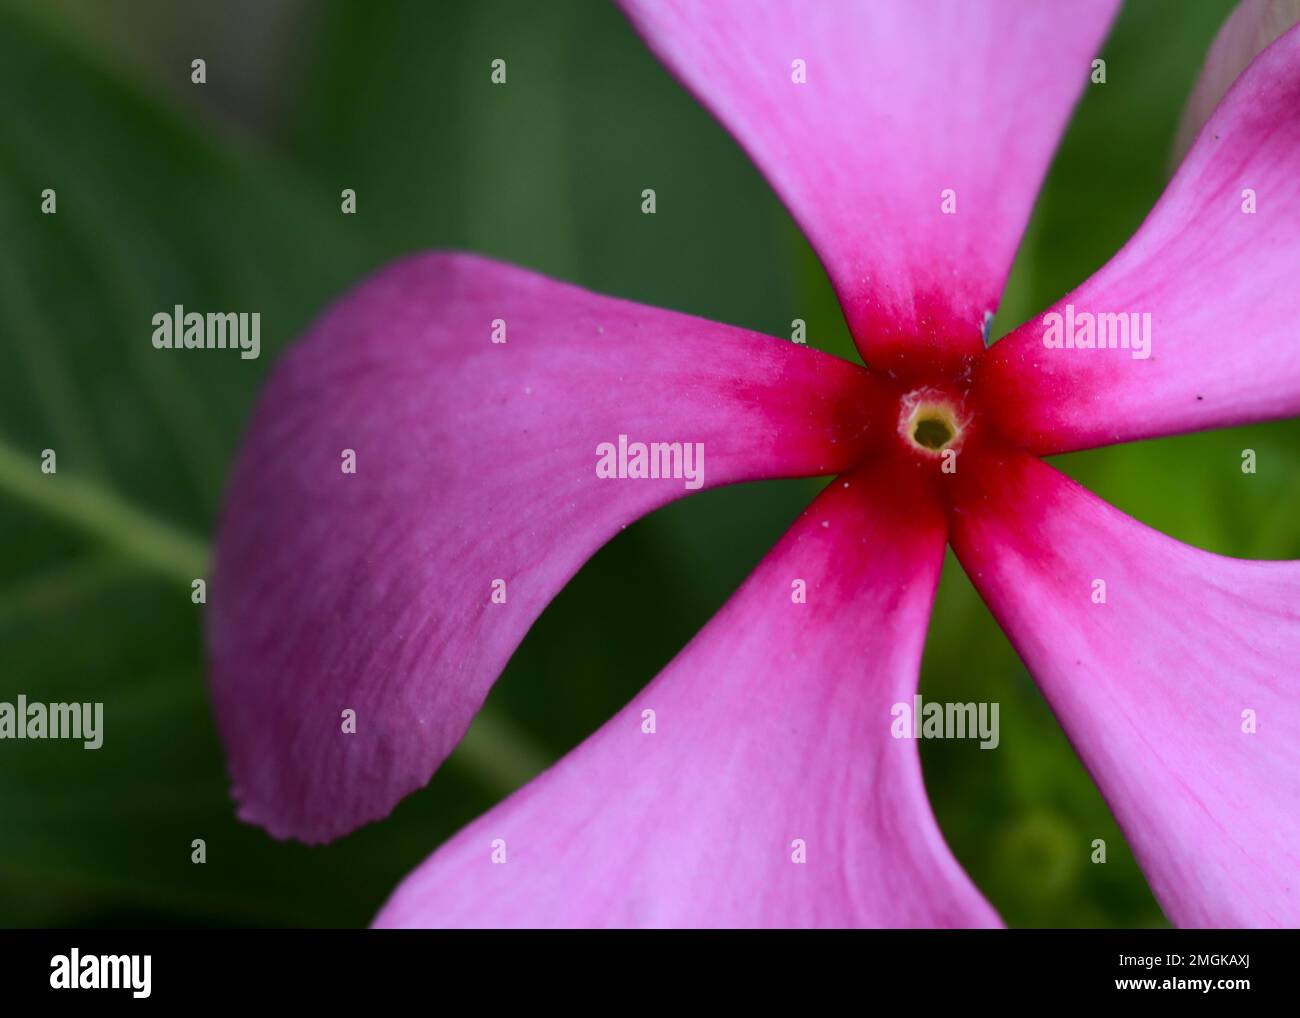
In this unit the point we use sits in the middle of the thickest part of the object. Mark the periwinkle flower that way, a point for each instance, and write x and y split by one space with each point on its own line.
908 142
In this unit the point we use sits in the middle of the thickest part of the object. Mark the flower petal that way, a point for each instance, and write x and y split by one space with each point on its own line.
475 462
1152 685
772 730
903 101
1218 281
1251 26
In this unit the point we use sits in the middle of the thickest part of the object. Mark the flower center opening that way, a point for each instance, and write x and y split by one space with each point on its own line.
930 423
933 423
932 431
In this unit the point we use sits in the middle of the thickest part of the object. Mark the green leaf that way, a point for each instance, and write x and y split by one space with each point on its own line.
154 208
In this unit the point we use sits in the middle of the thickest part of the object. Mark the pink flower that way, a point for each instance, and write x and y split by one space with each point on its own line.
766 788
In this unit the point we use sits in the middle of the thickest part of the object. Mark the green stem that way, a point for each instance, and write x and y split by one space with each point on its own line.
492 748
151 542
499 753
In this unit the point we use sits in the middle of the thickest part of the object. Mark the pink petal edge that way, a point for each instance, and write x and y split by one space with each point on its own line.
903 101
1151 685
1219 284
1251 26
772 730
475 461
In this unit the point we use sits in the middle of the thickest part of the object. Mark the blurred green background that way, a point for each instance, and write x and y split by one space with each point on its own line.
226 195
